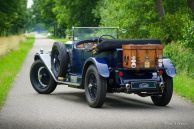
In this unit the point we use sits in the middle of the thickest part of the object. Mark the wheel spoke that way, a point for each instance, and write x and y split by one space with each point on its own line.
92 86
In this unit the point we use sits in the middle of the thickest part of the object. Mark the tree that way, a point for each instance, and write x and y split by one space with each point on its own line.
160 8
12 16
42 11
191 5
63 14
76 13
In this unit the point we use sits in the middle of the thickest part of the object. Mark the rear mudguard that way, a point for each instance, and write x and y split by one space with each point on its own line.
101 65
169 67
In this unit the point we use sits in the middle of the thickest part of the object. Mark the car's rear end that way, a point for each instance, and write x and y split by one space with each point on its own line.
137 66
142 67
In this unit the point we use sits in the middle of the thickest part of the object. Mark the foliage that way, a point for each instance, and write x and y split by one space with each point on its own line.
188 35
182 57
42 11
61 15
11 63
12 16
141 20
132 15
172 27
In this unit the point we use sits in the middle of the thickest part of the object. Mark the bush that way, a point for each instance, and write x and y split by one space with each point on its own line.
173 27
188 35
132 15
182 57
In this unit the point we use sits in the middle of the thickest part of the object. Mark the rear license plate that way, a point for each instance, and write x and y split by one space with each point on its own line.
143 85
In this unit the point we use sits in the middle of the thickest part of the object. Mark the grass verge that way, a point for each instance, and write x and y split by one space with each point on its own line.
59 39
183 58
184 86
10 43
10 64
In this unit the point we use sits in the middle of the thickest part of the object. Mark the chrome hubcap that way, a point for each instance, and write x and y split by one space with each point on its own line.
41 76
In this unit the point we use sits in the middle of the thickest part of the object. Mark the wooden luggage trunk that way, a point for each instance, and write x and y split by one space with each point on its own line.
141 56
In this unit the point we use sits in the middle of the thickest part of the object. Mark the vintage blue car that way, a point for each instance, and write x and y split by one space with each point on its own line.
99 62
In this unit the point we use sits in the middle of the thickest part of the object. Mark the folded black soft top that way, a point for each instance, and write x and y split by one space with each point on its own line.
115 43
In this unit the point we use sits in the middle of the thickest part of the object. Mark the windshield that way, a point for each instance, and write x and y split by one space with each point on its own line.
82 33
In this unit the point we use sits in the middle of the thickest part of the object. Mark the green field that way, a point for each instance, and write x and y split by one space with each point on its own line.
10 64
184 86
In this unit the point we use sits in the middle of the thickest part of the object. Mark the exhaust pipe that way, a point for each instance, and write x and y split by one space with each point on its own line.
162 86
128 87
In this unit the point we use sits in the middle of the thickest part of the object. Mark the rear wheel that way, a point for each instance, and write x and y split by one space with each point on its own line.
95 87
164 99
41 79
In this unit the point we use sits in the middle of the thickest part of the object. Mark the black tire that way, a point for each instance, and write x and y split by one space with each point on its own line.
41 79
164 99
95 87
59 59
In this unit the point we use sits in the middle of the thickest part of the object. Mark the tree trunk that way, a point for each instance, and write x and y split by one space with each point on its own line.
159 8
191 5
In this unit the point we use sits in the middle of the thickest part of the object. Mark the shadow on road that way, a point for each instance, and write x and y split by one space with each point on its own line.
112 101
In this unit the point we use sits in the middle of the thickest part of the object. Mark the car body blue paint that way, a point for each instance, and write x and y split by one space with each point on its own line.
101 65
76 60
169 67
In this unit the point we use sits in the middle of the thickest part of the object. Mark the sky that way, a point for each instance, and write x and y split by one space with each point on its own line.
30 2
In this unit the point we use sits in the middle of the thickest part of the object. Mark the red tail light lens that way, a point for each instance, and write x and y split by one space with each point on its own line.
120 74
161 72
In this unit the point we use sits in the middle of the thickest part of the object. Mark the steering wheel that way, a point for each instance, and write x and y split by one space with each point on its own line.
100 38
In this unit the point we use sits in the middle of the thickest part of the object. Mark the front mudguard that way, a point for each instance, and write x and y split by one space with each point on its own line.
46 59
169 67
101 65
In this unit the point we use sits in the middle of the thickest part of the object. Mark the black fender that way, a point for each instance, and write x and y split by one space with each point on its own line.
169 67
101 65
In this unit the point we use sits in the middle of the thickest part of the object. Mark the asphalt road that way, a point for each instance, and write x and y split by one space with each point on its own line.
66 108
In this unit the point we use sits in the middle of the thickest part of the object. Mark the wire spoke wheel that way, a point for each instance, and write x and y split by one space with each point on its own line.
95 87
92 86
